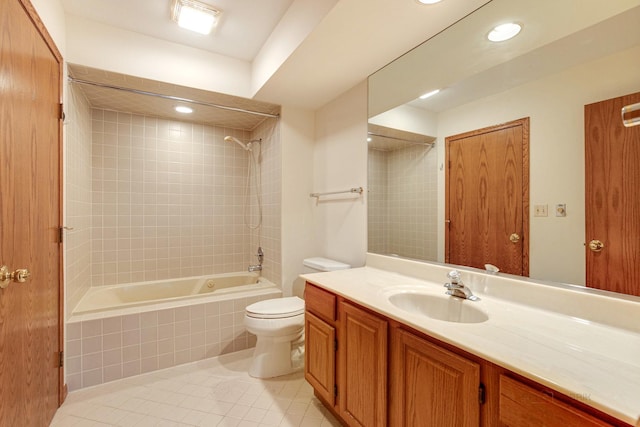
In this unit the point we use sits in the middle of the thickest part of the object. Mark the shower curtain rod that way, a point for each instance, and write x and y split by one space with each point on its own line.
173 98
401 139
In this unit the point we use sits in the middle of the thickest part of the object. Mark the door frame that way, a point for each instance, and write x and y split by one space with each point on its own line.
524 123
46 37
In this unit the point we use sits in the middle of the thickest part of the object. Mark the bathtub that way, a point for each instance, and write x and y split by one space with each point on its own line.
125 330
104 298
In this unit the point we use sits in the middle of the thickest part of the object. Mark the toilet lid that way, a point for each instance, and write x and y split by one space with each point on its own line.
276 308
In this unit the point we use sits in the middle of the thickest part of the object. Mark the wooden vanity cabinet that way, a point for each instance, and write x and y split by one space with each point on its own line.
346 358
431 386
320 343
371 371
362 367
523 406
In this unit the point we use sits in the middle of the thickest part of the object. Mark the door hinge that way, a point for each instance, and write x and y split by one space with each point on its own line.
481 394
335 390
61 112
60 234
61 361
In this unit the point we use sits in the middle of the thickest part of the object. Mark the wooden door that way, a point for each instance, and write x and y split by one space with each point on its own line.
431 386
320 357
487 198
362 370
30 332
612 196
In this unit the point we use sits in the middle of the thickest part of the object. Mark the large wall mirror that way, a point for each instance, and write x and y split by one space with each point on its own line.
568 54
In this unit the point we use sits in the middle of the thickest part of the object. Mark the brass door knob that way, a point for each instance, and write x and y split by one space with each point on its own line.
5 277
515 238
596 245
20 276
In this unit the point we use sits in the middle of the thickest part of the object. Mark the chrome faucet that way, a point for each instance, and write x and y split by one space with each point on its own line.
258 266
457 289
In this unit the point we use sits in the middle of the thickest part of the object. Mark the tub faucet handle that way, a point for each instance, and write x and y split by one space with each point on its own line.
260 255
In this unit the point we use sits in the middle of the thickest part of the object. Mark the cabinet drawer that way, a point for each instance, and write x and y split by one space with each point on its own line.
523 406
320 302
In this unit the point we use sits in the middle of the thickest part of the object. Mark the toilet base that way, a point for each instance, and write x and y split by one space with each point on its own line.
276 357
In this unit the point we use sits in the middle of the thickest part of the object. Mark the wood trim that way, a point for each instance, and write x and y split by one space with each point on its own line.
46 36
524 123
35 18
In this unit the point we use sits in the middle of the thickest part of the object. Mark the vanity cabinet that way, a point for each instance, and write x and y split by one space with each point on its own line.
362 367
320 343
431 386
524 406
346 358
372 371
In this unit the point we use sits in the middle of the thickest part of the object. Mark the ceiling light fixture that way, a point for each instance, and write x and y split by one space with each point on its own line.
429 94
428 1
194 15
504 32
184 110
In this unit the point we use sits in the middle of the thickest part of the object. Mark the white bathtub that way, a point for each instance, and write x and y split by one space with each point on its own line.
104 298
124 330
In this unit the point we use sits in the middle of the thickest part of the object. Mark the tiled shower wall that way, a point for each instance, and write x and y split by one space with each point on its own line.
149 198
168 196
77 200
377 212
404 209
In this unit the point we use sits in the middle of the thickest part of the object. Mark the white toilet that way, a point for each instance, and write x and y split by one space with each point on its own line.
279 327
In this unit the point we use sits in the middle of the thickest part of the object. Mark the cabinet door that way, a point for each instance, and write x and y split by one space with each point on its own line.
522 406
431 386
362 369
320 357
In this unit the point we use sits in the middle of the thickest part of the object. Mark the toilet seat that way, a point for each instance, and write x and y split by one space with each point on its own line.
278 308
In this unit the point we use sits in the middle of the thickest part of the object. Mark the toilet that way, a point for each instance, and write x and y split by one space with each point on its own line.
278 325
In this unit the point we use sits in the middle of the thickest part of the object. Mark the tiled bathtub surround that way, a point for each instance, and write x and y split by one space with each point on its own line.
403 202
77 200
100 350
168 198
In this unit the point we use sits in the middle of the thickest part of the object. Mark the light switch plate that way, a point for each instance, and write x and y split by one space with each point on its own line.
540 210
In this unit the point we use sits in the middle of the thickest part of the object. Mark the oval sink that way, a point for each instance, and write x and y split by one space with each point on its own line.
449 309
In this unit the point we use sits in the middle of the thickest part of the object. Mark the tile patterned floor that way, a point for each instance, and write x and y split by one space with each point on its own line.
212 392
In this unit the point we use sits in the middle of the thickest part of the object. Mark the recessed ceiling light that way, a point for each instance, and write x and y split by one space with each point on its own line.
184 110
194 15
504 32
429 94
428 1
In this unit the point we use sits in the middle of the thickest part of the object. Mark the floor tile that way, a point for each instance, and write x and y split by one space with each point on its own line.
215 392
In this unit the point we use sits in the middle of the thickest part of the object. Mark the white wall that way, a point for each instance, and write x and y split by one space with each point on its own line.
408 118
104 47
296 24
556 107
297 129
340 162
51 13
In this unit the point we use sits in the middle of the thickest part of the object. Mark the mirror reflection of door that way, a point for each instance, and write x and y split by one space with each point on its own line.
487 198
612 195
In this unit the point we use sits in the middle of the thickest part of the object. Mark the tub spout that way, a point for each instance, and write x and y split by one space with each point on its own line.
253 268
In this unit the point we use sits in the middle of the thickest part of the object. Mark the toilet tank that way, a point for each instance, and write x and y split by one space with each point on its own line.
317 264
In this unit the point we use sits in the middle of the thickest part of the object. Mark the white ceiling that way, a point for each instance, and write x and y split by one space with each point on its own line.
354 39
243 29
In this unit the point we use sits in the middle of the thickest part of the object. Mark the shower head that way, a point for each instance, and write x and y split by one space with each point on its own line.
247 147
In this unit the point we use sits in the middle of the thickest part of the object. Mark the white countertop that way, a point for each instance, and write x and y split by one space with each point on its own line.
585 345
